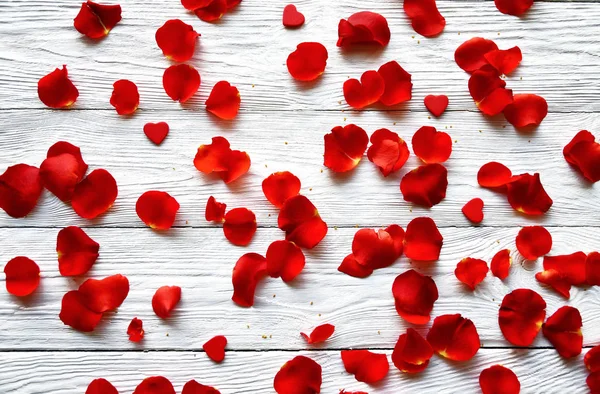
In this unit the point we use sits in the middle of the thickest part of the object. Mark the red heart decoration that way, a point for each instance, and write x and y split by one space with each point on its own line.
292 17
367 91
215 348
473 210
436 104
156 132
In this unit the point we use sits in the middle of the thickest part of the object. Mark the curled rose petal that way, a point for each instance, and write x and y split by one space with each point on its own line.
213 11
292 17
425 17
412 352
592 359
95 194
215 348
301 222
20 189
60 174
239 226
582 136
157 209
280 186
319 334
521 315
344 147
432 146
248 270
181 82
366 366
56 90
165 299
104 295
367 91
215 211
473 210
284 259
63 147
388 151
218 157
308 61
505 61
489 91
363 27
471 272
571 267
592 269
425 185
513 7
101 386
398 85
74 313
493 175
423 241
97 20
498 379
563 330
527 195
135 330
556 280
374 249
224 100
193 387
533 242
470 55
177 40
22 276
77 252
125 97
300 375
583 153
501 263
436 104
350 266
414 296
526 110
155 385
454 337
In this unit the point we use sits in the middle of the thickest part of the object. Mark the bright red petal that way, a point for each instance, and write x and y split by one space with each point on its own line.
398 85
157 209
374 249
499 380
592 269
423 241
104 295
412 352
165 300
583 153
414 296
493 175
344 147
215 211
432 146
97 20
239 226
424 17
471 272
563 330
224 101
319 334
101 386
300 375
454 337
63 147
218 157
473 210
527 195
74 313
213 11
248 270
77 252
125 97
301 222
533 242
22 276
56 90
526 110
135 330
388 151
364 27
350 266
177 40
308 61
95 194
501 263
556 280
155 385
592 359
181 82
571 266
280 186
426 185
366 366
285 260
513 7
489 92
582 136
193 387
505 61
521 316
60 174
215 348
367 91
593 382
20 189
470 55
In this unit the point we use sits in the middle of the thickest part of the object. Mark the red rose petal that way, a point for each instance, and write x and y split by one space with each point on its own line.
350 266
215 348
425 185
213 11
521 315
425 17
308 61
193 5
300 375
63 147
156 132
499 380
101 386
165 300
513 7
224 101
374 249
20 189
412 352
319 334
177 40
493 175
248 270
470 55
285 260
344 147
583 153
366 366
77 252
97 20
563 330
75 314
104 295
157 209
556 280
527 195
125 97
423 241
60 174
292 17
582 136
135 330
239 226
22 276
432 146
220 158
592 359
533 242
473 210
454 337
95 194
592 269
301 222
501 263
56 90
193 387
367 91
489 91
471 272
398 85
155 385
388 151
526 110
593 382
436 104
181 82
571 266
505 61
414 296
280 186
363 27
215 211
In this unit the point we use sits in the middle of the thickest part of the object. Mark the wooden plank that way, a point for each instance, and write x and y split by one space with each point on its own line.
250 46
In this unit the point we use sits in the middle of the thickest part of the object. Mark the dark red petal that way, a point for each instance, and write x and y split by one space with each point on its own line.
224 100
239 226
20 189
215 348
493 175
432 146
218 157
292 17
181 82
22 276
423 241
135 330
498 379
470 55
592 359
513 7
319 334
526 110
215 211
571 266
496 102
367 91
398 85
593 382
155 385
489 92
301 222
177 40
308 61
248 270
300 375
533 242
527 195
454 337
165 300
104 295
521 315
556 280
60 174
232 3
97 20
412 352
364 27
501 263
156 132
193 5
397 234
157 209
351 267
436 104
592 269
414 296
374 249
101 386
95 194
366 366
280 186
56 90
344 147
74 313
425 17
563 330
473 210
583 153
77 252
213 11
193 387
582 136
425 185
62 147
125 97
388 151
285 260
505 61
471 272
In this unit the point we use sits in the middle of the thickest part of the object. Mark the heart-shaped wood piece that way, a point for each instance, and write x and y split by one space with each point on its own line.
156 132
292 17
436 104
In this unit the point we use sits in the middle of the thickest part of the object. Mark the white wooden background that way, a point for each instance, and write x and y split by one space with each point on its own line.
281 125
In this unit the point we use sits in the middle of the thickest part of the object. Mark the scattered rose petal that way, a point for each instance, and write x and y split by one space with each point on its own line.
292 17
425 17
300 375
527 195
215 211
350 266
95 194
218 157
125 97
473 210
308 61
224 101
471 272
412 352
513 7
156 132
213 11
301 222
363 27
135 330
319 334
592 269
104 295
436 104
563 330
533 242
556 280
423 241
248 270
526 110
375 249
181 82
101 386
388 151
215 348
367 91
521 315
77 252
344 147
571 266
63 147
97 20
366 366
284 259
432 146
414 296
493 175
398 85
505 61
498 379
593 382
177 40
20 189
454 337
22 276
592 359
501 263
239 226
60 174
280 186
489 91
157 209
583 153
470 55
56 90
75 314
193 387
165 300
155 385
425 185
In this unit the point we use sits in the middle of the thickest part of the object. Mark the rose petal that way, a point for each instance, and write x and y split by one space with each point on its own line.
414 296
583 153
592 269
156 132
125 97
350 266
95 194
224 101
97 20
533 242
56 90
436 104
366 366
193 387
454 337
582 136
571 266
592 359
300 375
177 40
526 110
77 252
521 315
301 222
63 147
556 280
308 61
489 92
513 7
363 27
213 11
425 17
425 185
593 382
215 211
104 295
367 91
501 263
218 157
344 147
280 186
155 385
157 209
181 82
398 85
239 226
493 175
527 195
471 272
20 189
101 386
292 17
423 241
74 313
285 260
165 300
215 348
498 379
60 174
412 352
248 270
432 146
374 249
319 334
470 55
22 276
473 210
563 330
505 61
135 330
388 151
